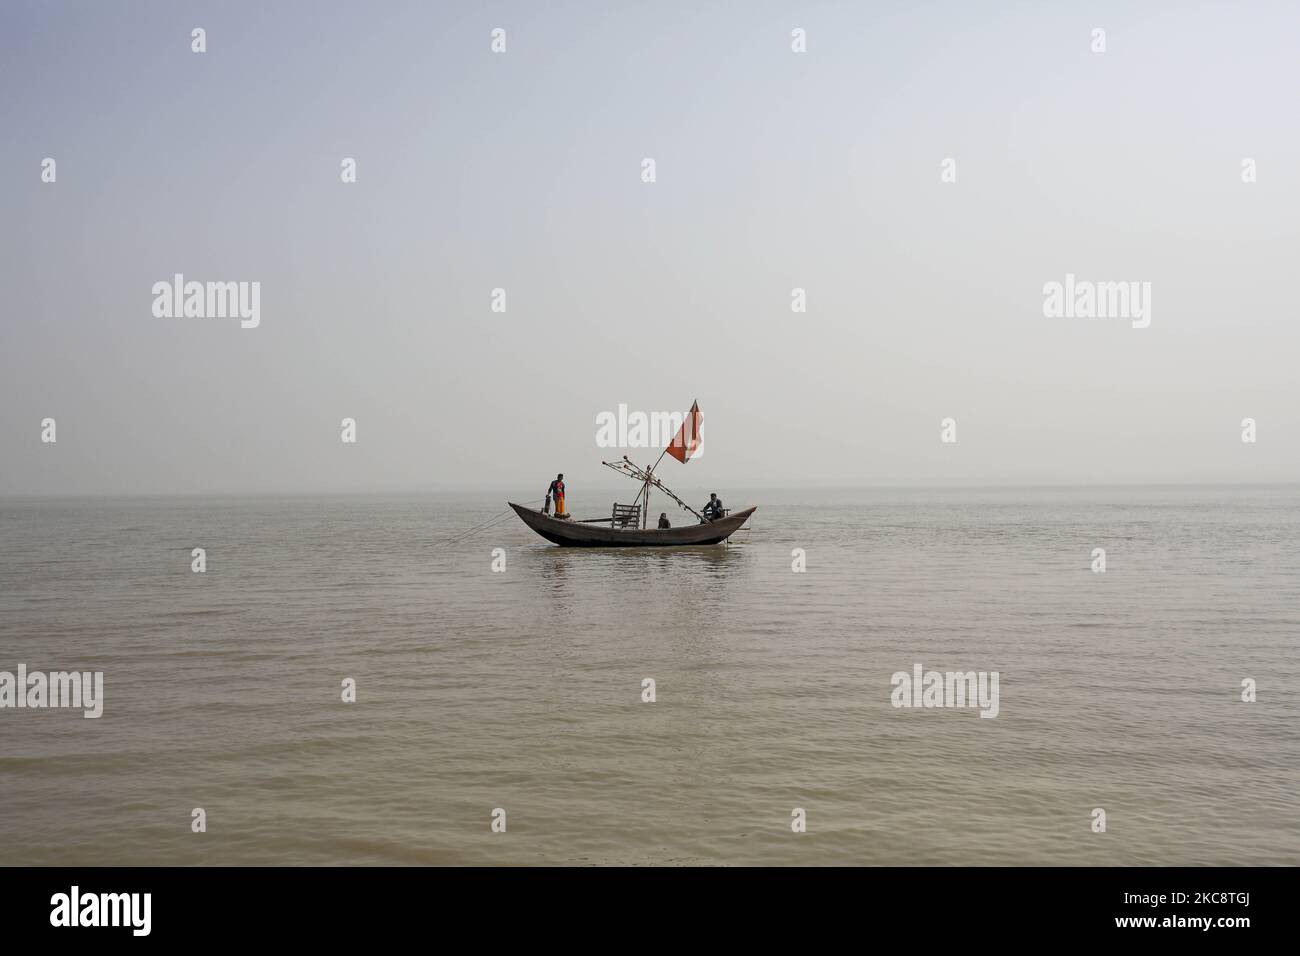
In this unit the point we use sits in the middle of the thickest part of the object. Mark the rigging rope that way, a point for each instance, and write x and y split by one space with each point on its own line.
483 525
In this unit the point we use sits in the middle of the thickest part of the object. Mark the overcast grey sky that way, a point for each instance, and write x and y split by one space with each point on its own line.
775 170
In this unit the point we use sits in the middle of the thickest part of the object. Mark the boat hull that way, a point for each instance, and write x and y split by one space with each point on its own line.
577 534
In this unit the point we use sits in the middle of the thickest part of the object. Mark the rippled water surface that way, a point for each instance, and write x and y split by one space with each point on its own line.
522 690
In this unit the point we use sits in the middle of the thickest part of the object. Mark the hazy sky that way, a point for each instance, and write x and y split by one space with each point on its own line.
775 170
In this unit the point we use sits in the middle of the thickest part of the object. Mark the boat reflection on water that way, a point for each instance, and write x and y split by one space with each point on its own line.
639 578
636 563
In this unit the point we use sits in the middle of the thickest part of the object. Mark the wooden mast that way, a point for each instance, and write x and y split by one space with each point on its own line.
645 508
645 493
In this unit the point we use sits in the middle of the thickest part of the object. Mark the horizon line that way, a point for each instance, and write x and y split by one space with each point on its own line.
481 490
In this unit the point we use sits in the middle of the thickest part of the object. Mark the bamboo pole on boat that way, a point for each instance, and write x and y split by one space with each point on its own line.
645 506
650 473
626 467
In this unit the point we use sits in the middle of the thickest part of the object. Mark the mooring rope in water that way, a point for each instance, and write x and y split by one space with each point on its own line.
484 525
477 529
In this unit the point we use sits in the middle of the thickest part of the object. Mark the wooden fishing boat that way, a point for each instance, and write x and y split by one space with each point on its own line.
627 523
589 534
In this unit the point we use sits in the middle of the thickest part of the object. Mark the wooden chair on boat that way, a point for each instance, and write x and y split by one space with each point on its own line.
626 516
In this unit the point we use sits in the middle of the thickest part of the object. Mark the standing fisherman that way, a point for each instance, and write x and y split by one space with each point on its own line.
556 492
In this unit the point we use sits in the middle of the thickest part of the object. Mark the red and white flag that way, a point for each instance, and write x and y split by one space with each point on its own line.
688 439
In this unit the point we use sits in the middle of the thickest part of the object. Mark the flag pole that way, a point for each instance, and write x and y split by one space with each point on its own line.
646 507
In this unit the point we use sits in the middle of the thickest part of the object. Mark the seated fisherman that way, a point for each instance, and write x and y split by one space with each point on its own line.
663 520
712 511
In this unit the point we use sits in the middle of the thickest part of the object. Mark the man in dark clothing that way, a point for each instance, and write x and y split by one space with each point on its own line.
663 520
713 510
